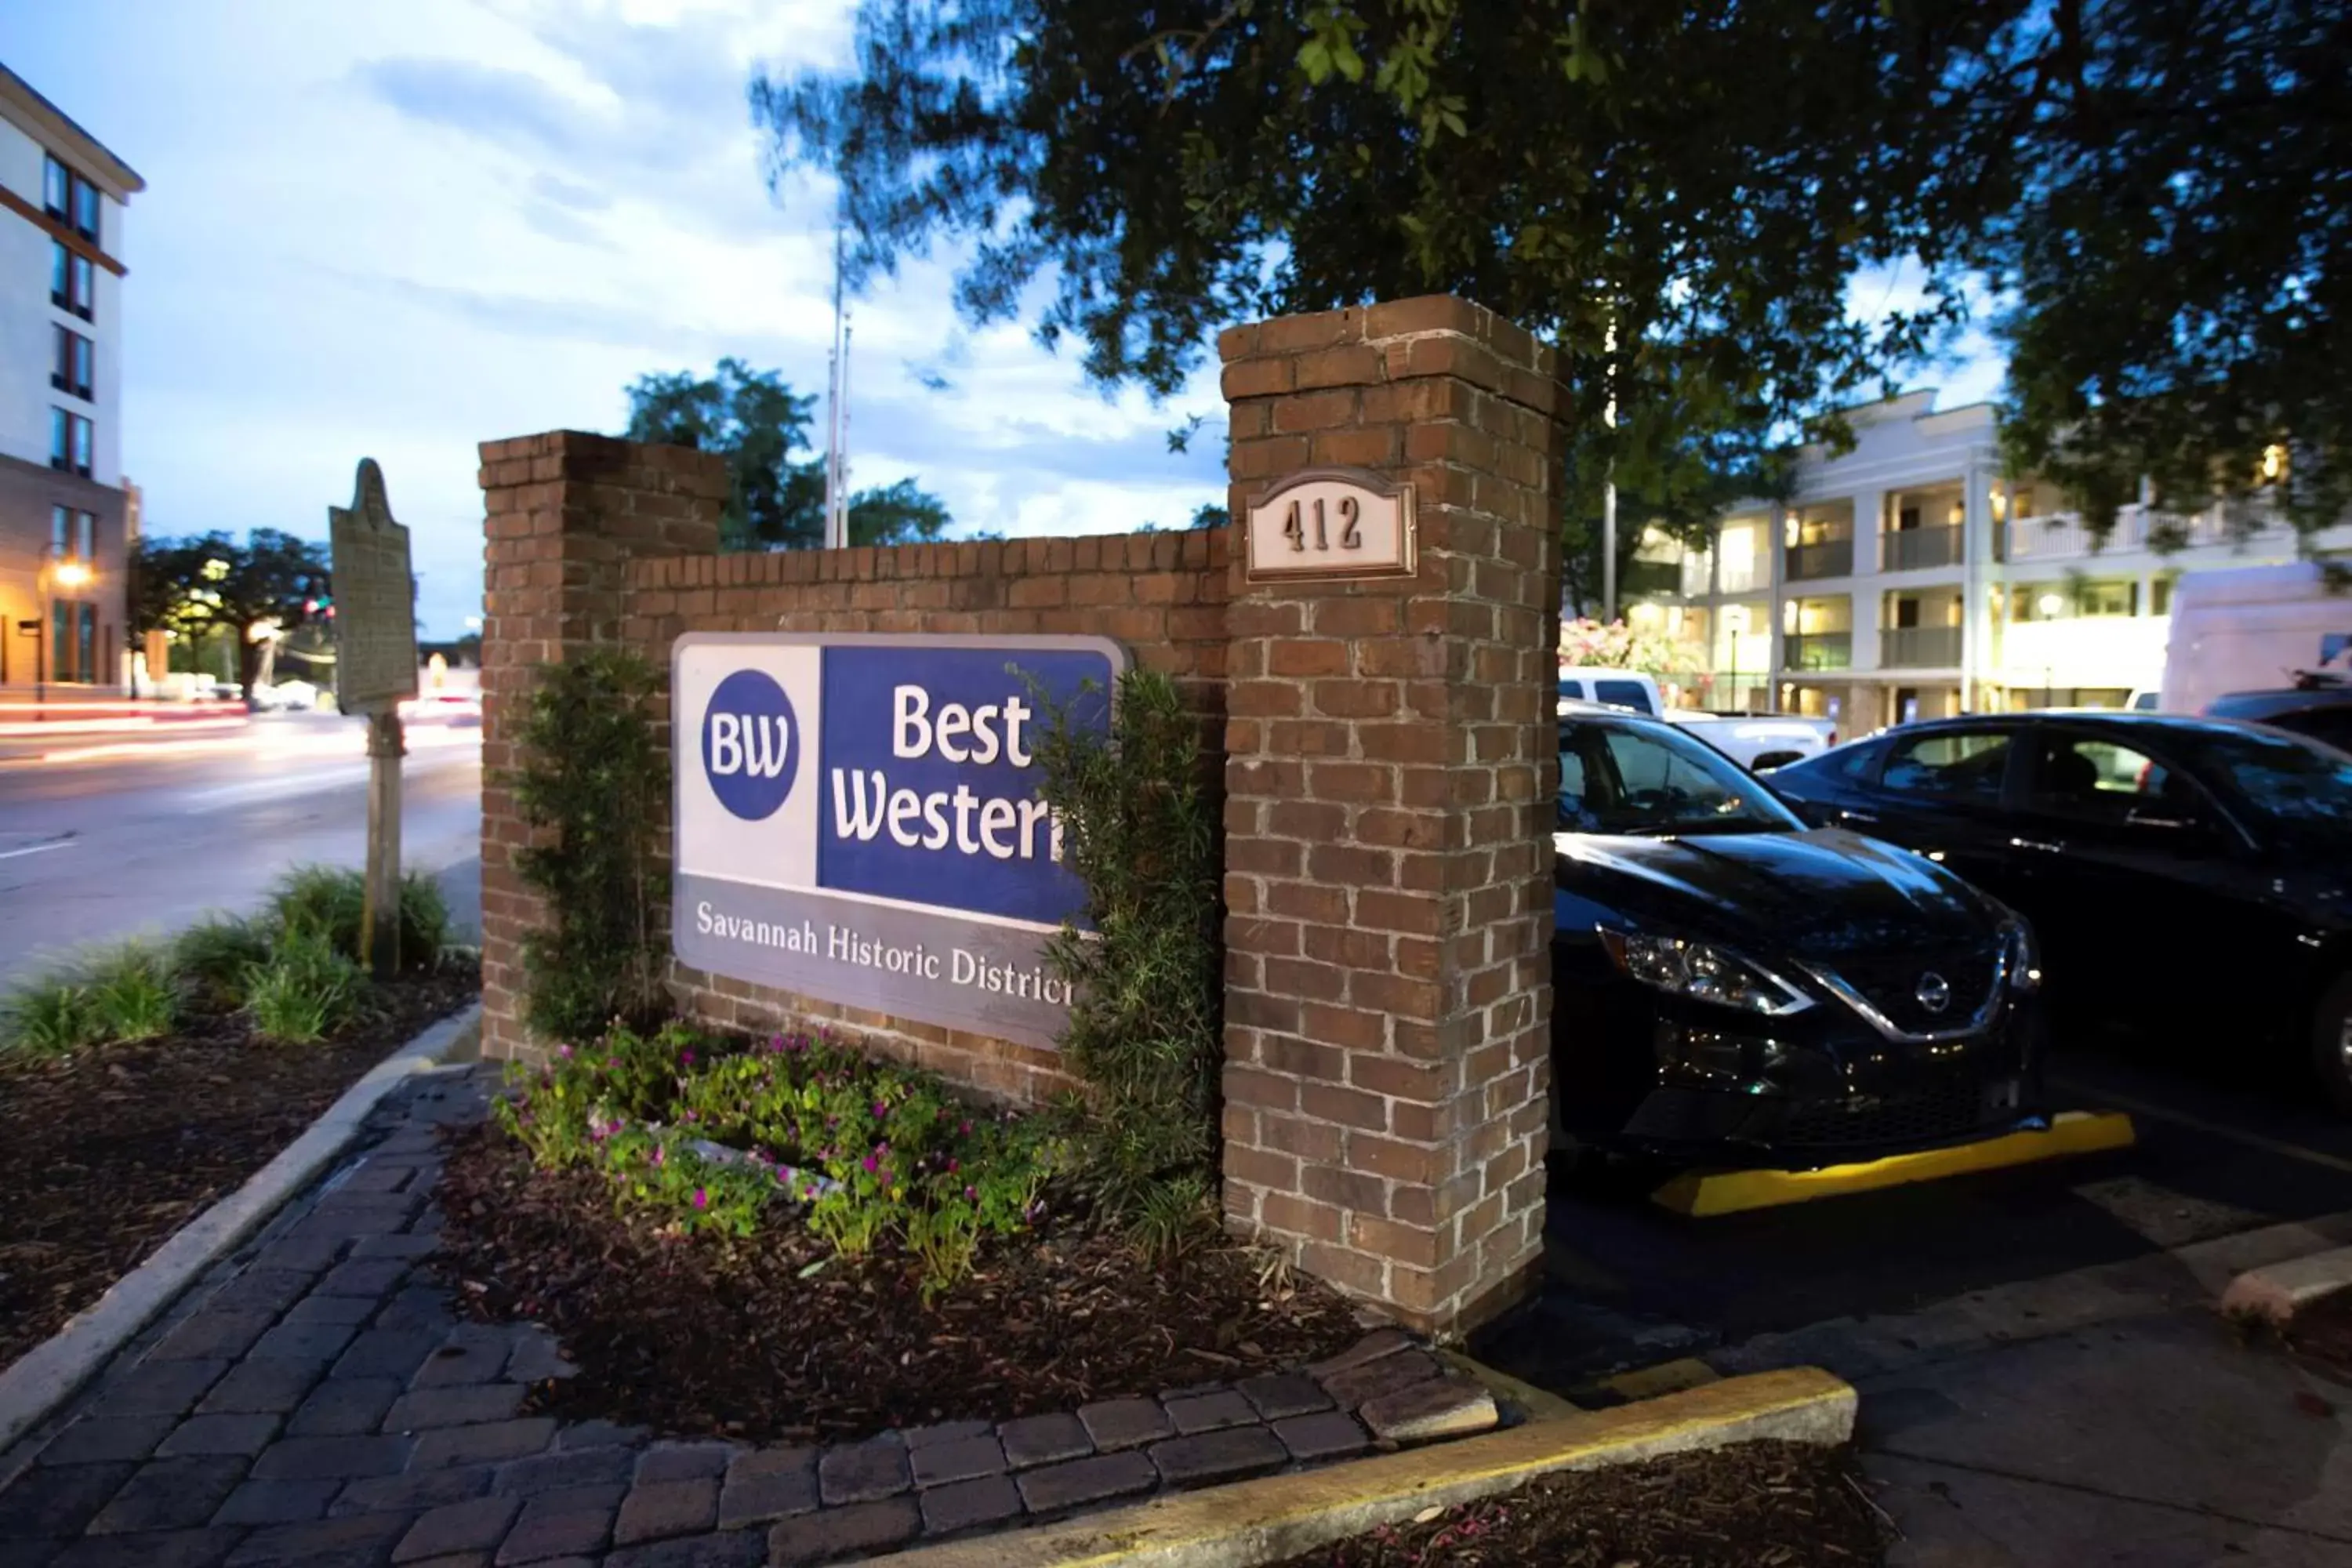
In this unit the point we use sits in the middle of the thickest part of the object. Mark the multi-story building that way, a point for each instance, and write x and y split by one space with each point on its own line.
1908 578
62 513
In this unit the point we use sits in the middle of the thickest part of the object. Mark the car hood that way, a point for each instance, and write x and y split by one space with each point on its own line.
1817 894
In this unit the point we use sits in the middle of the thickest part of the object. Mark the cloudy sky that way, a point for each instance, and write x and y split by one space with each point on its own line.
395 228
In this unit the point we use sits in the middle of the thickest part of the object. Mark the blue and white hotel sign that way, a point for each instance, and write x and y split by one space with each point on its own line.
857 819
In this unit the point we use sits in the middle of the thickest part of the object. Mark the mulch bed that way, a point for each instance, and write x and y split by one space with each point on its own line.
1756 1505
712 1335
110 1151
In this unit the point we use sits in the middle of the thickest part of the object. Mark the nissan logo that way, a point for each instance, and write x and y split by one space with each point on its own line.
1934 993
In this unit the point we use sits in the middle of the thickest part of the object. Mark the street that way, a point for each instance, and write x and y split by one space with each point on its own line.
103 837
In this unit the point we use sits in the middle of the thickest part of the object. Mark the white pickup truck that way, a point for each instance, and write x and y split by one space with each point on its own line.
1755 741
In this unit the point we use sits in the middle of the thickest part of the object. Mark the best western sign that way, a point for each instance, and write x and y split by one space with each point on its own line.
857 819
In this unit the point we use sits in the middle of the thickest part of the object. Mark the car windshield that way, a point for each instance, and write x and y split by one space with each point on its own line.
1650 780
2296 784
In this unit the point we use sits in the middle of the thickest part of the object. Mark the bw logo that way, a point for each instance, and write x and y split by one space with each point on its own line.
750 744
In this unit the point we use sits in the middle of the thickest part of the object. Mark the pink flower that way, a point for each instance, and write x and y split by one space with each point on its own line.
686 1056
658 1154
954 1166
964 1129
870 1163
566 1051
701 1199
971 1194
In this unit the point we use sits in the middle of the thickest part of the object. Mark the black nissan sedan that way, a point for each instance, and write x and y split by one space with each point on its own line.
2189 876
1729 981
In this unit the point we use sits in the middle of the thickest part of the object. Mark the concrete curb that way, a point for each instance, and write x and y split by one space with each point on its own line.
2277 1292
1265 1521
52 1372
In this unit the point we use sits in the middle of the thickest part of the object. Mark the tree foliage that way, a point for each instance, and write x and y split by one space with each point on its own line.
1692 182
751 419
2159 193
775 497
2167 209
209 583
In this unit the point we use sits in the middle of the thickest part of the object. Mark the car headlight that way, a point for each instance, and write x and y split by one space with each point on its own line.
2020 954
1703 972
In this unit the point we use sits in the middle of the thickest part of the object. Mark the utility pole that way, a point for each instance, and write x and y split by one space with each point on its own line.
836 424
1608 489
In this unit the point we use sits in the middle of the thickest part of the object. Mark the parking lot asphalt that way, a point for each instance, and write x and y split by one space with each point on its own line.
2043 1375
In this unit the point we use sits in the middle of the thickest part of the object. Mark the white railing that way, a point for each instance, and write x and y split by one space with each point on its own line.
2058 536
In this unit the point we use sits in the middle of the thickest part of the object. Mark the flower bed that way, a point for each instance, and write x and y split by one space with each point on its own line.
141 1084
869 1251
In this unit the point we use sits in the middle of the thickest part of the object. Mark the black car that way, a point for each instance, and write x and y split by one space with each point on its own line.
1730 983
2182 874
2322 712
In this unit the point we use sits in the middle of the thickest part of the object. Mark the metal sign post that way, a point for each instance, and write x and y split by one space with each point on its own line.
375 671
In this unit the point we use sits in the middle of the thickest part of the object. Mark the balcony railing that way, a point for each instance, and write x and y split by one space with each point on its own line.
1740 577
1915 549
1919 647
2059 536
1819 651
1831 558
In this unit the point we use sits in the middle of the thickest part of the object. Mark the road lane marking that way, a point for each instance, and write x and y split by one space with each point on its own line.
2181 1118
35 849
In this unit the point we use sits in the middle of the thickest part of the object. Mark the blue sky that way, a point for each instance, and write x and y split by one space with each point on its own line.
396 229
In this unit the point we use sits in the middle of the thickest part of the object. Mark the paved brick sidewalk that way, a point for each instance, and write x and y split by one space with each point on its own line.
315 1403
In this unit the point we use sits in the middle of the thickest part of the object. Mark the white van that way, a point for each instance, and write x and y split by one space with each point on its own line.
2256 628
1754 740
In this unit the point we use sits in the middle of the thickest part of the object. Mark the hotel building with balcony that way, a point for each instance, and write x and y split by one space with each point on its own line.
1909 579
64 519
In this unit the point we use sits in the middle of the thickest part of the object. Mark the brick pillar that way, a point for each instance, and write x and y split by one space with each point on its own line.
564 513
1391 758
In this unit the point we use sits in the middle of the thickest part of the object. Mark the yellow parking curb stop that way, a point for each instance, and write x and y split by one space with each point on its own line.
1702 1193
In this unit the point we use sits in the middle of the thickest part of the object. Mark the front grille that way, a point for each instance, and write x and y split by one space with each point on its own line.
1892 984
1923 1116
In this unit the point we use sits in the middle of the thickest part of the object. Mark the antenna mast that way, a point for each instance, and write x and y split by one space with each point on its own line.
836 435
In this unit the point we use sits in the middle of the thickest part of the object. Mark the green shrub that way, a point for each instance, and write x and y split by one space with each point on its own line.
876 1153
133 993
423 921
595 774
213 954
333 901
307 990
325 900
49 1016
1146 1029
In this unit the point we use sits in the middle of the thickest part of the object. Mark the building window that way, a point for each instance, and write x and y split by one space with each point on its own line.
73 282
70 198
2160 597
85 537
86 645
61 620
73 362
2060 602
69 442
60 530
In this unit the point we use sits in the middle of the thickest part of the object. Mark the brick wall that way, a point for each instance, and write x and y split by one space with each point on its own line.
1390 761
582 548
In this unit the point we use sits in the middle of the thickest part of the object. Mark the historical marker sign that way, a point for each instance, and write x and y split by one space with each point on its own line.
376 600
1331 523
857 819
